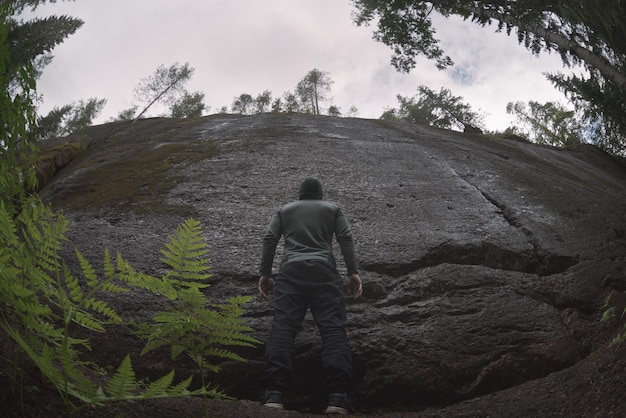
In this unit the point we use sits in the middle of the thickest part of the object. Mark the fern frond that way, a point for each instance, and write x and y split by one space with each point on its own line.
102 307
87 269
42 232
72 285
109 267
124 271
35 309
113 288
224 354
192 296
15 288
8 229
123 382
608 315
58 366
159 287
185 252
160 386
177 350
86 320
181 388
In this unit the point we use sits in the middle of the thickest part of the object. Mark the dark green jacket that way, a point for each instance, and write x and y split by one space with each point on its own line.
308 227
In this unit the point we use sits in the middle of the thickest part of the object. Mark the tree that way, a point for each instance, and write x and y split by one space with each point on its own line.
22 47
83 114
549 123
291 104
277 105
190 105
263 101
243 104
50 126
589 34
312 90
126 114
334 111
70 118
30 42
441 109
166 85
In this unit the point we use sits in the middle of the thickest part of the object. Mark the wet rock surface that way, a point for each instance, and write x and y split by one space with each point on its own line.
485 261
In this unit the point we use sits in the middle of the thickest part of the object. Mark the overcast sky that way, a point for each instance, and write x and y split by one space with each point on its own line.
248 46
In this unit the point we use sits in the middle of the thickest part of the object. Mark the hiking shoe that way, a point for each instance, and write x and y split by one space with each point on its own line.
273 399
338 403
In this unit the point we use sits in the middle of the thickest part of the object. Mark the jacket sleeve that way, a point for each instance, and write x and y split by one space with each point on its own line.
346 244
270 241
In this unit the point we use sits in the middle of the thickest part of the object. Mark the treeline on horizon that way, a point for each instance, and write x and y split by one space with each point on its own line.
586 37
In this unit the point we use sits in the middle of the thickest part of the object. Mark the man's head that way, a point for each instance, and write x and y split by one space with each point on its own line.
311 188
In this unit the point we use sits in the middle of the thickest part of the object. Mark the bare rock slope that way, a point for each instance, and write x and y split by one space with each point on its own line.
485 261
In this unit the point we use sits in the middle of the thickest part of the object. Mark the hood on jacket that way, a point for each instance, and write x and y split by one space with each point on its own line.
311 188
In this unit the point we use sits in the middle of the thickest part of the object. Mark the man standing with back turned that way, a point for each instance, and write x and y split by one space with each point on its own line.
308 277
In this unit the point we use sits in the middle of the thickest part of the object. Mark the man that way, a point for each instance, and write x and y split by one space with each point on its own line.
308 278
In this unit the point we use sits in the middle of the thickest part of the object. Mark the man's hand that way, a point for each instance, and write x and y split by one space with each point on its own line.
355 286
266 286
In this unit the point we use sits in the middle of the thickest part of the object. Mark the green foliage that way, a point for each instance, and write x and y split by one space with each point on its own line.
17 85
291 103
549 123
312 90
263 101
23 45
602 107
127 114
243 104
585 34
123 386
43 305
309 93
612 305
39 36
191 325
406 27
42 301
83 113
334 111
190 105
70 118
441 109
165 85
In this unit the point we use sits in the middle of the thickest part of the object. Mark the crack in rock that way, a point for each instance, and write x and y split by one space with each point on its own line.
538 262
482 254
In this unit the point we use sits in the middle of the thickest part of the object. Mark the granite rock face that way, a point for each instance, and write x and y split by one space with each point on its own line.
485 261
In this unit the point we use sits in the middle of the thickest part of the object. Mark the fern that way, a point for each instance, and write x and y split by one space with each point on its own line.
192 326
610 317
41 303
123 385
123 381
160 386
185 253
40 298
